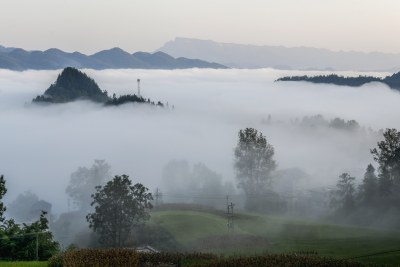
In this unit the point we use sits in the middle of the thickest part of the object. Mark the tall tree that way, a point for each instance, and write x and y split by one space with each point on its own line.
84 180
253 165
369 187
17 242
387 154
119 206
27 207
3 191
344 196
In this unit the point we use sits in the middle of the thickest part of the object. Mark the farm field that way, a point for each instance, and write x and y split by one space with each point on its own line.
256 234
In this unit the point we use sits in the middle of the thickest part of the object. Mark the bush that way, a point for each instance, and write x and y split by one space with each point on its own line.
56 260
101 257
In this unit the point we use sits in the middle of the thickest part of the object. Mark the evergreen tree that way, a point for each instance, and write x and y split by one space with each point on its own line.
344 197
369 187
387 154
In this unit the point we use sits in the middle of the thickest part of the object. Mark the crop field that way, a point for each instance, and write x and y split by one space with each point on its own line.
256 234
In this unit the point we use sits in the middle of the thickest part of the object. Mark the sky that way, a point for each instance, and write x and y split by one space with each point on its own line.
93 25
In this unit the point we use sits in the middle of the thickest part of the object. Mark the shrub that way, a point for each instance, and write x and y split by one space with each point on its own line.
101 257
56 260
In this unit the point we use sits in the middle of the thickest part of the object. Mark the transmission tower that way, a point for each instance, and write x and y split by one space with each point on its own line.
158 197
138 87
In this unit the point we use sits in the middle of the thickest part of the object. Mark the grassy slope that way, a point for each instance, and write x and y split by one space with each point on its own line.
286 235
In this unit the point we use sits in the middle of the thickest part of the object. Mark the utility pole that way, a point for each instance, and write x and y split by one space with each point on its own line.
229 214
138 87
158 196
37 246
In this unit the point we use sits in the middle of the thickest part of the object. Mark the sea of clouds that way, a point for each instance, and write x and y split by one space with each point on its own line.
40 146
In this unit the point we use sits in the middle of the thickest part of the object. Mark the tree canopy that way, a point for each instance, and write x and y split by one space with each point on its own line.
71 85
83 182
387 154
344 195
253 164
119 206
18 242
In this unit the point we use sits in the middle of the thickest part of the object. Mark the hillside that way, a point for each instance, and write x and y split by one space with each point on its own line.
72 85
280 57
207 231
392 81
115 58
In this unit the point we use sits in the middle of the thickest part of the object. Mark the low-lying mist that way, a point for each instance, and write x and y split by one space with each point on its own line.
40 146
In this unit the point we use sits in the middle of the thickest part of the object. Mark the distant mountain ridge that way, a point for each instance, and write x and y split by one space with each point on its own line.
279 57
6 49
115 58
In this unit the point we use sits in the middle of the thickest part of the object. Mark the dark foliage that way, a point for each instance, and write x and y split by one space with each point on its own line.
72 85
3 191
130 258
119 206
124 99
392 81
26 241
344 196
378 195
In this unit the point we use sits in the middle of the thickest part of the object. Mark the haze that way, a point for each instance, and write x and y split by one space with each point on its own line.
92 25
42 146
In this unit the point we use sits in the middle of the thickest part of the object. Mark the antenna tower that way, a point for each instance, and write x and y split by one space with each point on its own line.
138 87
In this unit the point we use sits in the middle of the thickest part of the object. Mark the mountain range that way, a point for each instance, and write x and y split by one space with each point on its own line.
115 58
280 57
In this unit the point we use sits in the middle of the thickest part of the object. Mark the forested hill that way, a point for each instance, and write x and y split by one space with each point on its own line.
72 85
392 81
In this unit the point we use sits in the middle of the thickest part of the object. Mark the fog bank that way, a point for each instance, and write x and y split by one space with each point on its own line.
41 146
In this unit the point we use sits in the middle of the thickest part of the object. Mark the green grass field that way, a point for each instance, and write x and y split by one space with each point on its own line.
256 234
23 263
283 235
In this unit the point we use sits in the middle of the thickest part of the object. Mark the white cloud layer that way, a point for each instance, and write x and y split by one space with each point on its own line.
41 146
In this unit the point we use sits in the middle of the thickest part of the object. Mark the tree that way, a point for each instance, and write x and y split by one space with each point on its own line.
387 154
27 207
119 206
344 196
3 191
26 241
253 164
84 180
369 187
179 177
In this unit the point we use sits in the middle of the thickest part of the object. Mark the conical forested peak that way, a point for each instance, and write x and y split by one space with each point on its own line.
74 78
72 84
